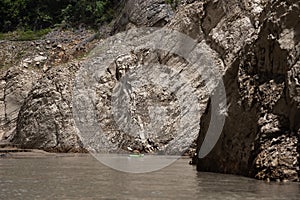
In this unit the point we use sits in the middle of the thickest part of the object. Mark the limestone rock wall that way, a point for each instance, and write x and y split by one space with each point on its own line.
261 134
15 85
23 65
256 45
45 120
138 13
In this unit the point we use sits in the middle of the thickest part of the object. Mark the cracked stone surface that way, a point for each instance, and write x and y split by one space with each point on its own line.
142 102
45 120
261 133
255 44
137 13
15 85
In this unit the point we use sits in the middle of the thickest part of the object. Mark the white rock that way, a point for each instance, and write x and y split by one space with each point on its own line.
40 58
27 60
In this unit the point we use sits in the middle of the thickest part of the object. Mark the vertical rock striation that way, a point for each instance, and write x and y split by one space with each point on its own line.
261 134
45 120
254 43
15 85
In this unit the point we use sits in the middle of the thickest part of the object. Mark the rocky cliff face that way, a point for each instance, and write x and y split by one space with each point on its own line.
261 134
45 119
15 85
256 47
258 42
27 65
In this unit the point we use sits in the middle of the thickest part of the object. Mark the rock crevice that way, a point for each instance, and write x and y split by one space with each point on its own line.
255 45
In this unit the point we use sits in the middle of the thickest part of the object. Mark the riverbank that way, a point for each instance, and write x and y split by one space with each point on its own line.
8 150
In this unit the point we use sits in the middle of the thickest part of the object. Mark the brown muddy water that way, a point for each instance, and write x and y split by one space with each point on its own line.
83 177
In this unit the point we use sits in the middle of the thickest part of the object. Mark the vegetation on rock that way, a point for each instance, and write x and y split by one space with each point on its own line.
40 14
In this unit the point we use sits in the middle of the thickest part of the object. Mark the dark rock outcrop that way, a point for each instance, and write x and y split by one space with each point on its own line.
261 133
137 13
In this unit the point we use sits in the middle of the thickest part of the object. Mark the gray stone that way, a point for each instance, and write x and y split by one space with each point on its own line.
15 85
45 120
254 44
260 137
137 13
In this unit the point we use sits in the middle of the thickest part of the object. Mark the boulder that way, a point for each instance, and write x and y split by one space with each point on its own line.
45 120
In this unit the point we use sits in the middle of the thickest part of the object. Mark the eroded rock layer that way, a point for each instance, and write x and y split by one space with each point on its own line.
261 133
255 45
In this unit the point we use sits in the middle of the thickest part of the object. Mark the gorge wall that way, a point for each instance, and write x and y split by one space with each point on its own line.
256 46
261 133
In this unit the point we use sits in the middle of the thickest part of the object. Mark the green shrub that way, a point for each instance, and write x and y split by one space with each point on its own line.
41 14
21 35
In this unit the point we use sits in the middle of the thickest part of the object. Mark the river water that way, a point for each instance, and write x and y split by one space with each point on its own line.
83 177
